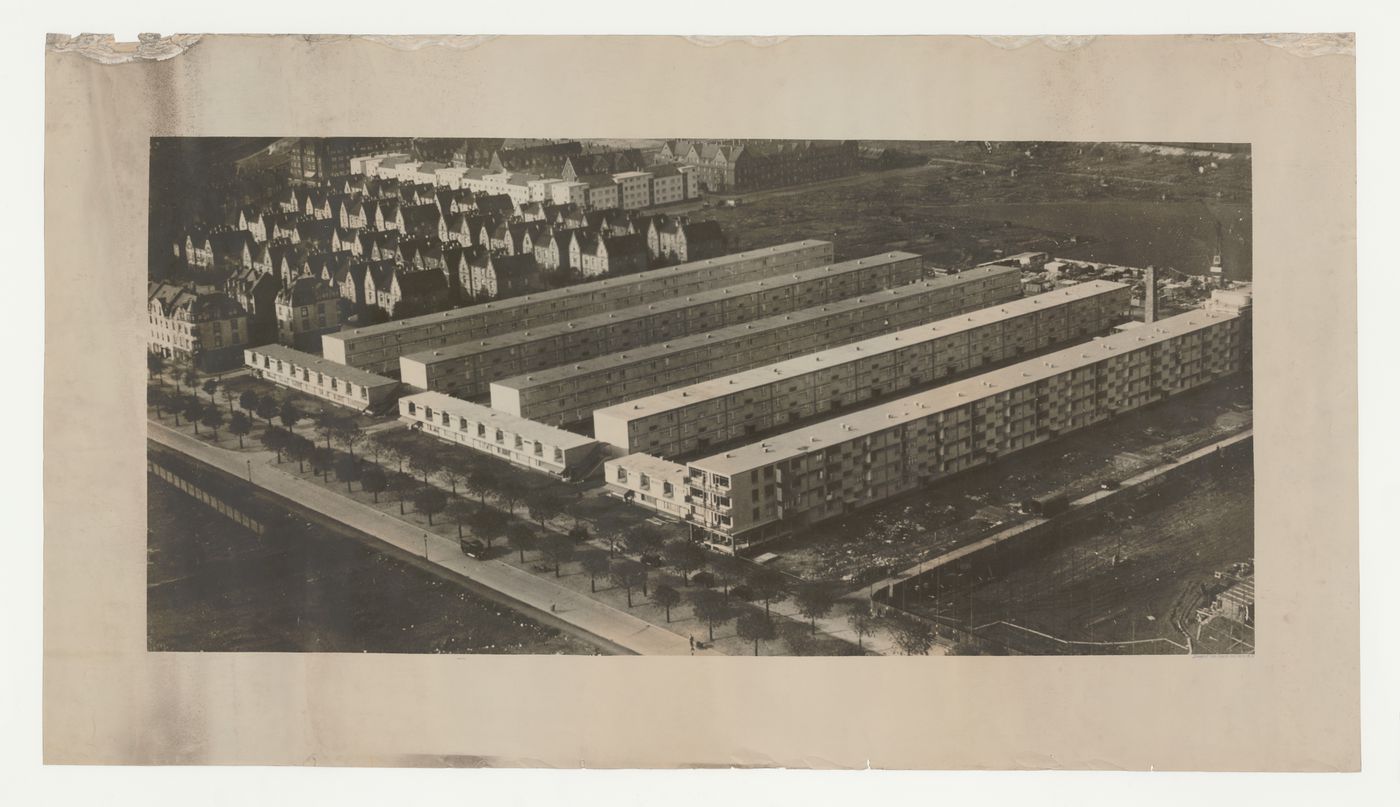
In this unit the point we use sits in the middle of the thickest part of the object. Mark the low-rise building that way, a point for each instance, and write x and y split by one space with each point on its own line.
341 385
649 482
516 440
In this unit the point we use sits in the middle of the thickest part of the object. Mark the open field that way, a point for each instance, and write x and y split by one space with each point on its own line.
903 531
967 207
214 586
1131 573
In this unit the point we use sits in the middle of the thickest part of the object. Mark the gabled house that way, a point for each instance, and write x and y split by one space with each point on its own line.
208 329
418 221
498 275
307 309
315 233
250 219
256 291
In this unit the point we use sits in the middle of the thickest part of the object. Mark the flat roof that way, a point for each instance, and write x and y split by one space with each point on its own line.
321 365
756 377
950 396
515 338
653 351
646 463
567 291
528 429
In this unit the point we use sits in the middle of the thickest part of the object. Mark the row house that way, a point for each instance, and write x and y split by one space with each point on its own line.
493 275
393 287
255 290
418 221
252 221
206 329
609 255
675 239
326 380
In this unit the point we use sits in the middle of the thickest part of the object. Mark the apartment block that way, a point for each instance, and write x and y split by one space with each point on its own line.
516 440
722 410
772 487
468 368
570 393
337 383
377 348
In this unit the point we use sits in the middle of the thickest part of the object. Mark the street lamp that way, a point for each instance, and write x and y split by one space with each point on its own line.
250 470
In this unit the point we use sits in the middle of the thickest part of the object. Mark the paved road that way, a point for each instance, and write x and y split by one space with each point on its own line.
584 613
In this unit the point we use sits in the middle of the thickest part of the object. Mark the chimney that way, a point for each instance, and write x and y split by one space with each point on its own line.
1149 295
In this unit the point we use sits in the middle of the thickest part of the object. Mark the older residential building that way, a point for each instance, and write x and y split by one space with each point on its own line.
345 386
468 368
516 440
306 310
597 255
570 393
747 166
770 488
256 291
721 410
317 158
207 329
378 348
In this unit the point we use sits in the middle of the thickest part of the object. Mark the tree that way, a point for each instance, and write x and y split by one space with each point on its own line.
597 564
642 539
729 569
298 448
558 548
666 597
275 439
460 511
756 628
327 422
685 556
210 387
799 641
913 638
451 473
543 505
429 500
712 608
483 481
374 481
290 414
212 418
240 424
510 492
248 401
385 445
400 485
321 461
190 375
267 408
521 538
769 586
578 533
423 462
194 410
347 468
155 398
349 434
629 574
489 523
814 601
155 365
862 621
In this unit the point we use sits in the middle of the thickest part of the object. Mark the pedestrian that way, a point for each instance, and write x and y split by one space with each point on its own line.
551 608
692 644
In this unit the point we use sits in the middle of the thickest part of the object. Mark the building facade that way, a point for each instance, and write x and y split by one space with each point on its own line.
341 385
767 489
571 393
737 407
516 440
206 329
468 368
307 310
378 348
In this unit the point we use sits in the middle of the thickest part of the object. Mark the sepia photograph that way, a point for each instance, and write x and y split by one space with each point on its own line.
696 396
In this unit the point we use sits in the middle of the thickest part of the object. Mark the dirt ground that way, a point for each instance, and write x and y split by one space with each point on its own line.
924 523
213 586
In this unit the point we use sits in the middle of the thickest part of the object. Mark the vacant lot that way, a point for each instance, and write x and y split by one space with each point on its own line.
214 586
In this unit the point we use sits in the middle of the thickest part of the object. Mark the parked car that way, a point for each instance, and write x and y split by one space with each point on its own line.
703 579
652 560
741 591
473 549
1108 484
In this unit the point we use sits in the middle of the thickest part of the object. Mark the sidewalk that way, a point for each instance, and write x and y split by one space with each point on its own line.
584 613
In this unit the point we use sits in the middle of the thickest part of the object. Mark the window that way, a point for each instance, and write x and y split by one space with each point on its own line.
621 474
412 408
480 429
558 455
446 419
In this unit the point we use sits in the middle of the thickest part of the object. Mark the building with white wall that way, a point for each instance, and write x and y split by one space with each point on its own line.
309 373
515 440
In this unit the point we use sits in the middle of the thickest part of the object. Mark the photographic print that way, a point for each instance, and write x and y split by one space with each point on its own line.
696 396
